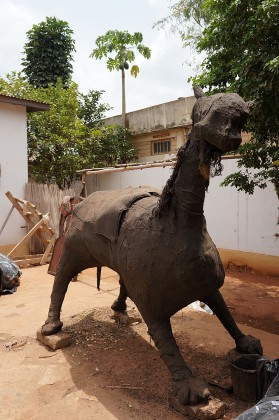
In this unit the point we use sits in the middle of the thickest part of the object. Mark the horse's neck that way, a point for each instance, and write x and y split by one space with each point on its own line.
189 186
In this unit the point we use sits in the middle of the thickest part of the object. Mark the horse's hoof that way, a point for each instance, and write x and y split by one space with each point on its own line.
51 327
191 391
118 306
248 344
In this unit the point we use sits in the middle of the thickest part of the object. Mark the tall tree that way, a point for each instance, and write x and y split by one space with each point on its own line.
48 53
118 46
240 39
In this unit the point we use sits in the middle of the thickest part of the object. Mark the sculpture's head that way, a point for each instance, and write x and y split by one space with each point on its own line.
218 119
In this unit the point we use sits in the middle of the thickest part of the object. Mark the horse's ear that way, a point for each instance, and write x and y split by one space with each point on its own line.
198 92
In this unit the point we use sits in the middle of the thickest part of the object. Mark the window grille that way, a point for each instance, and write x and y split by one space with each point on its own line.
160 147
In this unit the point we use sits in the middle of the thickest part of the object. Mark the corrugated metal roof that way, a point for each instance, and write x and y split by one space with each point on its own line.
31 106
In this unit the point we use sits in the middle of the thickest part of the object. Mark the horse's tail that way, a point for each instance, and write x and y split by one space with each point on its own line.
99 270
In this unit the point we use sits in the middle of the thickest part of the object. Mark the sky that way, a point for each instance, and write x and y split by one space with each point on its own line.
162 78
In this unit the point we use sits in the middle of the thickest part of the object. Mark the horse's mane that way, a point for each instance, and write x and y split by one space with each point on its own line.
209 166
165 199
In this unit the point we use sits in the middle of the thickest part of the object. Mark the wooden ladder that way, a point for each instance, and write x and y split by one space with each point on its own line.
38 224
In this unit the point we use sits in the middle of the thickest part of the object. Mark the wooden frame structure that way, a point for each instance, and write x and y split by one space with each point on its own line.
38 224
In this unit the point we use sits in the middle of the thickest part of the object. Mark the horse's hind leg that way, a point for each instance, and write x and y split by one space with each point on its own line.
120 303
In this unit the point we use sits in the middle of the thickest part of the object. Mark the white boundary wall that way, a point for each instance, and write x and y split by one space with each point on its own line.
235 220
13 167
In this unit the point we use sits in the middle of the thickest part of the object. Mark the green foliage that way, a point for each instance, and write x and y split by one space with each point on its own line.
117 47
53 136
263 158
16 85
188 17
65 138
114 145
91 111
240 39
48 53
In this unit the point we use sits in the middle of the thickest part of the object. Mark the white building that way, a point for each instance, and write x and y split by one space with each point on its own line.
13 165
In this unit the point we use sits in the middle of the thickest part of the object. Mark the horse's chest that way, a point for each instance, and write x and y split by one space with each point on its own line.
153 246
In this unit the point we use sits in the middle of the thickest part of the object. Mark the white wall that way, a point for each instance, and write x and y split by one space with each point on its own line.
240 221
155 177
14 168
235 220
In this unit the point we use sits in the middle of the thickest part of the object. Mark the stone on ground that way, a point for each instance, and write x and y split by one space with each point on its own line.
54 341
210 410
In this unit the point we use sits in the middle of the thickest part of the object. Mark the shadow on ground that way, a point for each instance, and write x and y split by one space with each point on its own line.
117 365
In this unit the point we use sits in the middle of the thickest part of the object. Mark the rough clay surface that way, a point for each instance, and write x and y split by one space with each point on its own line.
111 371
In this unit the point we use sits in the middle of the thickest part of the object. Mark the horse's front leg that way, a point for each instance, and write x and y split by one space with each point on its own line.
64 275
188 389
69 266
244 343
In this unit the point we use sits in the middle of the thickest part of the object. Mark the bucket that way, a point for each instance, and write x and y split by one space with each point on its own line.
244 377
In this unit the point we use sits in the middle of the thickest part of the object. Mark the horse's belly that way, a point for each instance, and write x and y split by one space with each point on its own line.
166 269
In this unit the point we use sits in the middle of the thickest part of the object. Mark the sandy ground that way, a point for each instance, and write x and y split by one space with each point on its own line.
111 371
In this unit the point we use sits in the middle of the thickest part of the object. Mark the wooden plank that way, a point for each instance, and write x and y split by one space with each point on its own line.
27 257
26 218
49 232
133 168
26 237
29 261
47 251
44 228
6 220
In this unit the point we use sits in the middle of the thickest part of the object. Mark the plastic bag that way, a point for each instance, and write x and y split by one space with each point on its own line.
265 409
266 372
9 275
268 407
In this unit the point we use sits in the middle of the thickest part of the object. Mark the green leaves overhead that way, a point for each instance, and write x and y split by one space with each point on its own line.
239 39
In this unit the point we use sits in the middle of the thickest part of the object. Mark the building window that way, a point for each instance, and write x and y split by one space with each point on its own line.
160 147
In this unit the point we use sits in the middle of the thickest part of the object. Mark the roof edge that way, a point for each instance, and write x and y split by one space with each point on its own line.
31 106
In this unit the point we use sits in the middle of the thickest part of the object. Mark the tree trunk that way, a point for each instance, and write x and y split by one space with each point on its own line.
123 100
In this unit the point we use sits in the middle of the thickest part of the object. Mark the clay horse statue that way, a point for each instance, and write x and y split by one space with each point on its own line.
159 245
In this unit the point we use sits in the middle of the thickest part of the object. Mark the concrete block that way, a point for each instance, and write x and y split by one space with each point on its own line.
54 341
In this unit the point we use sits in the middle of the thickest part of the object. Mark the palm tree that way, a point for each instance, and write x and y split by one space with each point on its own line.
118 47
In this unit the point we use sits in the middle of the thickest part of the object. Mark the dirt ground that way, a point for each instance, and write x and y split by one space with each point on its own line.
114 372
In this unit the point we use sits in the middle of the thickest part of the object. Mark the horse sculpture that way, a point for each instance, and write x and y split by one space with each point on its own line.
159 245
